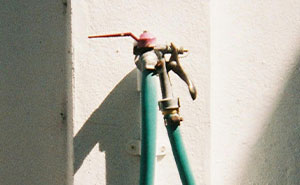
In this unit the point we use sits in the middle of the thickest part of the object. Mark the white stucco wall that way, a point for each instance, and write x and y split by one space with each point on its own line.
35 93
106 103
255 48
244 60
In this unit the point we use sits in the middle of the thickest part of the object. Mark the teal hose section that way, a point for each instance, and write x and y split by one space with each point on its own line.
179 153
149 114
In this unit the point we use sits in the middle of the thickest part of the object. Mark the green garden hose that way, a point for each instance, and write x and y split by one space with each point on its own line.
148 141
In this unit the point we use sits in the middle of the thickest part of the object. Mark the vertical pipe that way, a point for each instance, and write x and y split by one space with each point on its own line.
165 84
149 113
179 153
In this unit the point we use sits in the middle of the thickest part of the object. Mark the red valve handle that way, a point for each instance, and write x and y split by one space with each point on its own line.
115 35
145 40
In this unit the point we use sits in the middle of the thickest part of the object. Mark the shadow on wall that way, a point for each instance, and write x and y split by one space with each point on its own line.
113 124
35 78
275 158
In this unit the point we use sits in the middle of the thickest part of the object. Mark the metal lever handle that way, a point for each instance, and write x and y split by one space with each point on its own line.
168 49
175 66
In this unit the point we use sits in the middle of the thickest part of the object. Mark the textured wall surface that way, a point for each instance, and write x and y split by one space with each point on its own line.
255 92
35 64
106 102
244 59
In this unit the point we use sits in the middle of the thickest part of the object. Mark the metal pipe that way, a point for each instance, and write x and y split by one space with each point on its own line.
165 84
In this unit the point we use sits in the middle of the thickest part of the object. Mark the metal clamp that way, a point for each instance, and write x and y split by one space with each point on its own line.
169 104
133 147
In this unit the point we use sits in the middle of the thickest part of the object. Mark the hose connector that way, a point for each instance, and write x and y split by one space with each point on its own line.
169 105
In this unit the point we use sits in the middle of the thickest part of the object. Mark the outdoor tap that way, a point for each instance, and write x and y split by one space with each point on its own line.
148 55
